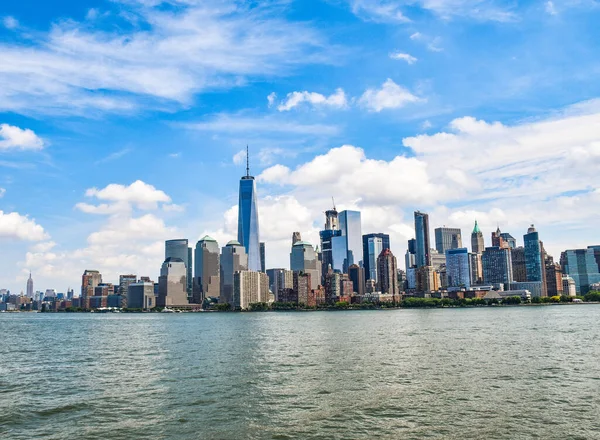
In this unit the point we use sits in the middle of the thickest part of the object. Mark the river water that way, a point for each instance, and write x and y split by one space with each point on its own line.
489 373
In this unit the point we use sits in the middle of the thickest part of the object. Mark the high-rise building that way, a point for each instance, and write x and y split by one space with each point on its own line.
476 267
296 237
350 225
303 258
447 238
534 259
583 266
387 273
263 265
373 245
207 272
509 240
30 286
89 281
327 235
497 239
427 280
497 265
178 248
518 264
422 250
477 241
250 287
280 279
248 228
141 295
458 268
233 259
554 277
172 283
437 260
357 276
124 282
302 287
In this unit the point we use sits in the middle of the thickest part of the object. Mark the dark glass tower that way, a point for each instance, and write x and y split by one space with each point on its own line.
248 230
423 256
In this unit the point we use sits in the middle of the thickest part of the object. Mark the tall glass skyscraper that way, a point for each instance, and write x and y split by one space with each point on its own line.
373 245
534 258
583 266
179 249
422 250
458 268
350 225
248 230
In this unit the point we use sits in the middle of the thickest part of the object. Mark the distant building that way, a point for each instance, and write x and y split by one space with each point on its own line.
477 241
534 258
423 247
583 266
357 276
296 237
427 279
233 259
262 257
178 248
535 287
509 240
476 268
447 238
30 286
458 268
517 256
437 260
89 280
250 287
248 227
387 273
373 245
569 287
172 283
498 240
554 277
328 238
302 287
497 265
280 279
141 296
303 258
207 270
348 248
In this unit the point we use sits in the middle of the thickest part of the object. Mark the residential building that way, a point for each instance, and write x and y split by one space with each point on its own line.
422 246
280 279
497 265
387 273
172 283
458 268
447 238
357 276
250 287
373 245
233 259
207 270
248 227
302 287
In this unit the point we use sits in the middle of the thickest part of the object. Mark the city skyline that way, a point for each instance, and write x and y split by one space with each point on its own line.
122 125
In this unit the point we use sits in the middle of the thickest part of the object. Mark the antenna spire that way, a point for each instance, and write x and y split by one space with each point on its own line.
247 161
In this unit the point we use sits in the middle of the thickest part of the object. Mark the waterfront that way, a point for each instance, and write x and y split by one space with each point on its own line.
518 372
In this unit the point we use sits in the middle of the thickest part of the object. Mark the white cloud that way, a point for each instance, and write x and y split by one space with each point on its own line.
10 22
16 226
240 157
379 11
294 99
272 98
389 96
404 57
12 137
44 246
2 192
139 194
550 8
160 57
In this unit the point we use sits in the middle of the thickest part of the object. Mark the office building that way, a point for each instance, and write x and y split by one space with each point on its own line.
357 276
280 279
89 281
373 246
250 287
476 268
498 240
387 273
248 228
327 235
422 247
172 283
303 258
207 270
30 286
262 257
554 278
477 241
458 270
178 248
141 295
497 265
302 287
535 259
427 279
534 287
509 240
350 241
583 266
296 237
233 259
447 238
124 282
569 287
517 256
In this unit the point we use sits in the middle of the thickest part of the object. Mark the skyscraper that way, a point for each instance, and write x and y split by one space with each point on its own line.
422 250
509 240
357 276
535 259
350 225
30 286
248 228
249 287
583 266
477 241
497 265
178 248
263 266
172 283
207 283
458 268
233 259
518 264
303 258
89 281
296 237
373 245
327 235
447 238
387 273
280 279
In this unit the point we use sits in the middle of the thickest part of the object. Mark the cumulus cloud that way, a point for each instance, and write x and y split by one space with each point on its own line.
389 96
16 226
138 194
2 192
272 98
294 99
404 57
550 8
12 137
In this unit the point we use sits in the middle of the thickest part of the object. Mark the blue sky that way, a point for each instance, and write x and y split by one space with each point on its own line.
122 123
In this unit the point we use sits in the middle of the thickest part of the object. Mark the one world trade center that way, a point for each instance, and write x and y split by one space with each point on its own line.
248 230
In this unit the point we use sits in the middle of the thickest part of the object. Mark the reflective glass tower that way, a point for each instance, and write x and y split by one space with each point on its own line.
248 230
350 225
373 245
422 250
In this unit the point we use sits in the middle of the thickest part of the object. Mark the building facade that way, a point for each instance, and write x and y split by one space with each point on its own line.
248 227
141 295
303 258
207 270
477 241
250 287
535 259
447 238
172 283
458 269
422 244
357 276
178 248
233 259
387 273
497 265
583 266
373 245
517 256
89 281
